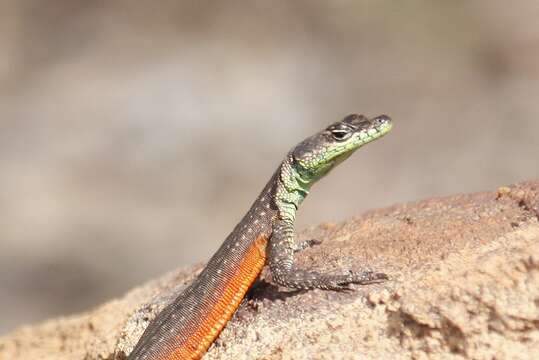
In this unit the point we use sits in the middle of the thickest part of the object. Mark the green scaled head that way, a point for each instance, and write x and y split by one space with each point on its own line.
317 155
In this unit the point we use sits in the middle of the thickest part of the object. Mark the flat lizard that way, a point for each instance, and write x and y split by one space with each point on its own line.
187 327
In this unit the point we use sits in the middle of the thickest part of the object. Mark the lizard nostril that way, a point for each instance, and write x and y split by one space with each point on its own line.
382 119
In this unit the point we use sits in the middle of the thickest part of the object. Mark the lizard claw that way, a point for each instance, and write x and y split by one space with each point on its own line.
313 242
367 277
342 282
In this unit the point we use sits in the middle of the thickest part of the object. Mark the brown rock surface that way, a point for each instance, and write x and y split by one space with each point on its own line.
464 284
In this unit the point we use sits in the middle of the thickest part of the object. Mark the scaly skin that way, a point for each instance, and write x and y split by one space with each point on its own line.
187 327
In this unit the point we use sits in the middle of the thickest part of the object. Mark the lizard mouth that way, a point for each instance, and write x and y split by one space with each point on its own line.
380 126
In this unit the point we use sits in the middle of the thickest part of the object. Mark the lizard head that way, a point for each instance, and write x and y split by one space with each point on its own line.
318 154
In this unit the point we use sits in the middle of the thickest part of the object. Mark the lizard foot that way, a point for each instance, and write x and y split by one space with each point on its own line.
307 244
342 282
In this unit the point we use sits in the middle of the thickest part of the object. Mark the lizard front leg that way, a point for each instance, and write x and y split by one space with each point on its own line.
284 271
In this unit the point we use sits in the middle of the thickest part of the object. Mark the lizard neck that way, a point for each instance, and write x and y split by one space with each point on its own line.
290 191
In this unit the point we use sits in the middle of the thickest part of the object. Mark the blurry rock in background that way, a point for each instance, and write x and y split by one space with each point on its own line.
133 136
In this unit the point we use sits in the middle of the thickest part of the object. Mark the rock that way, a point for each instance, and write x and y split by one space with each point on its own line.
464 283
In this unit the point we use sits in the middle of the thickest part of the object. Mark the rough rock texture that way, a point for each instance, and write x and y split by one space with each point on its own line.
464 284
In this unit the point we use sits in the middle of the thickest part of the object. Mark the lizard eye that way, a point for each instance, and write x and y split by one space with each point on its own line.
341 134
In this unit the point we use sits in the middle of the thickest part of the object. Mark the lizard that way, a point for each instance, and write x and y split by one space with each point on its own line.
187 327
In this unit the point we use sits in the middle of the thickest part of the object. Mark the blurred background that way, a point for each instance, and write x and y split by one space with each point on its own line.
134 135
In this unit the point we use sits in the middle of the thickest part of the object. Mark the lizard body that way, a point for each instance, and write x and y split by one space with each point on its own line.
187 327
